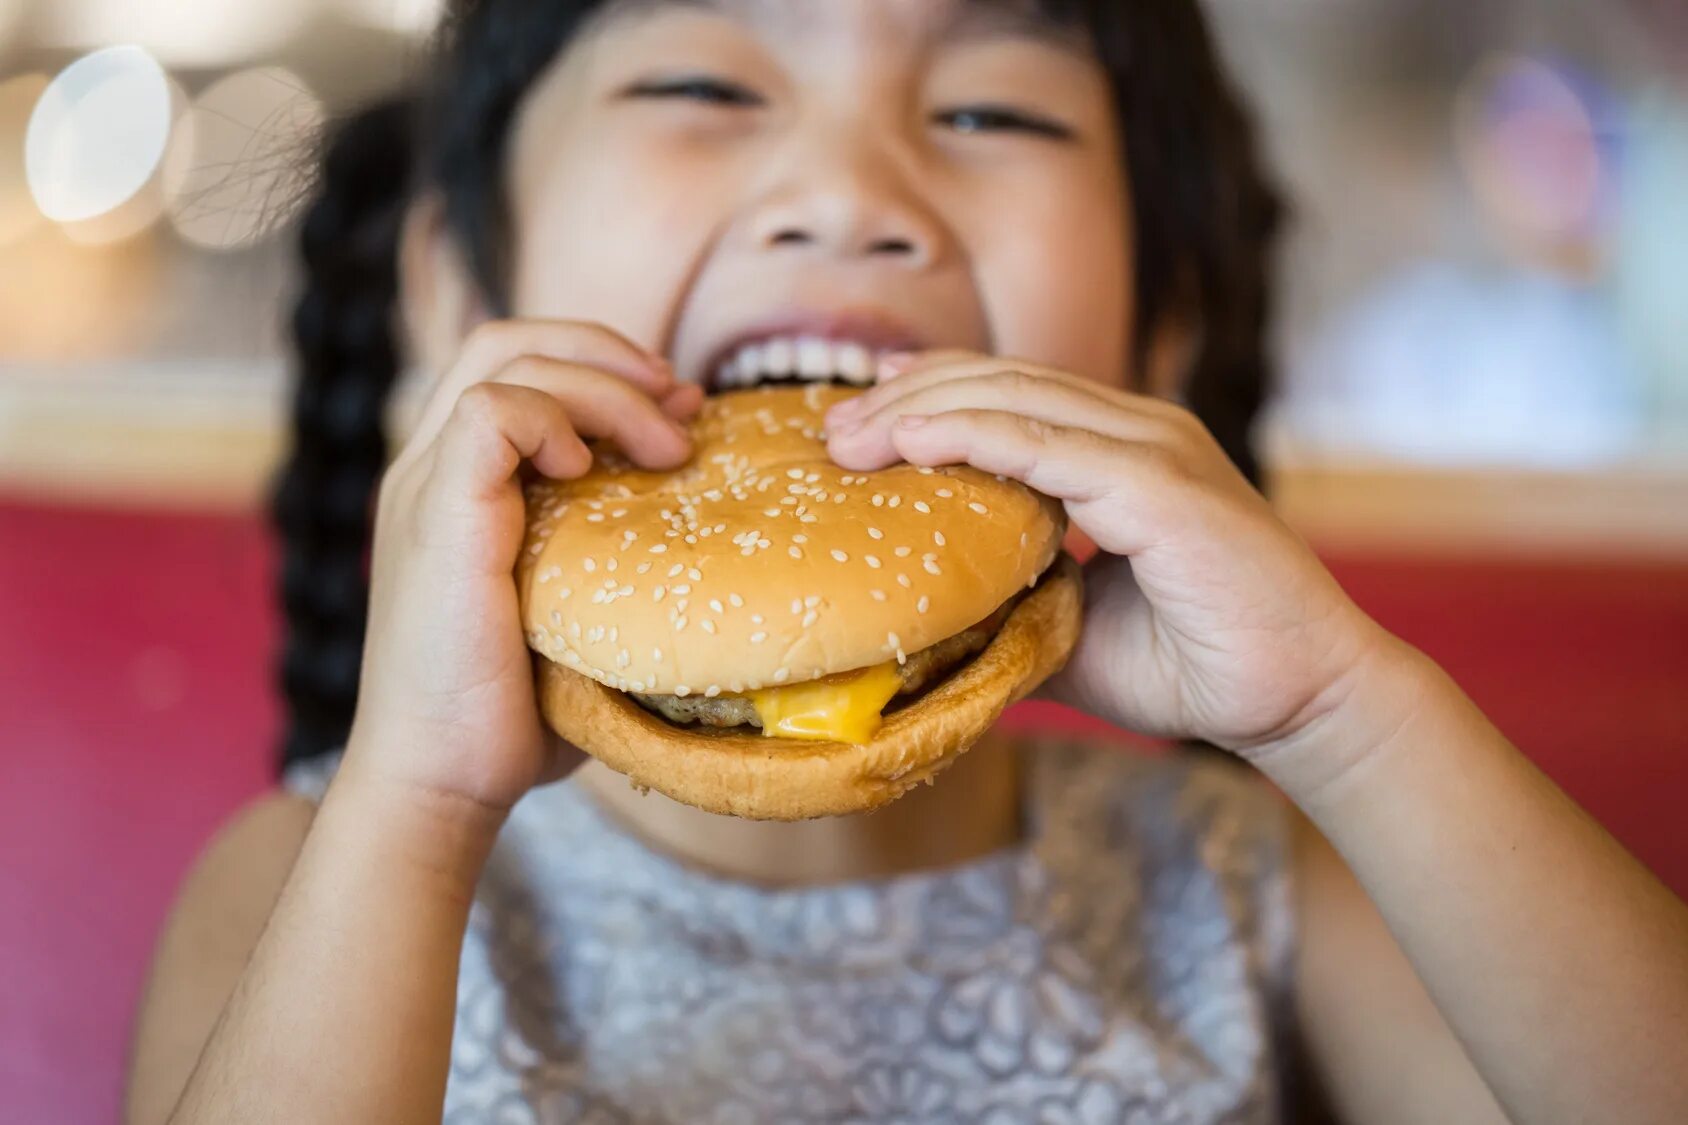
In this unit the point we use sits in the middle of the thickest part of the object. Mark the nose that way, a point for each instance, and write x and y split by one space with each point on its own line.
843 195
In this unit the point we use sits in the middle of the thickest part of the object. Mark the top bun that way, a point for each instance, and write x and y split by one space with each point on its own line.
761 562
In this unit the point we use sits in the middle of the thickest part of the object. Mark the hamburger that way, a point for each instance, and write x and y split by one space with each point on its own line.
765 634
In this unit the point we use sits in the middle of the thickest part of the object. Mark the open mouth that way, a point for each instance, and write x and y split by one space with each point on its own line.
795 359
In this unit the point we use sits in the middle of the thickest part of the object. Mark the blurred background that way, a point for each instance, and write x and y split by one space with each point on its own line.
1482 421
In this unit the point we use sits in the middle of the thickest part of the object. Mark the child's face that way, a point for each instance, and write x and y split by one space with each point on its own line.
915 173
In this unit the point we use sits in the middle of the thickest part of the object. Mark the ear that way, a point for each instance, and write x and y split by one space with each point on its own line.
438 299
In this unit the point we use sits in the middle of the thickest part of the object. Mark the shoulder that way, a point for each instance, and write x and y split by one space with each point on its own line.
220 910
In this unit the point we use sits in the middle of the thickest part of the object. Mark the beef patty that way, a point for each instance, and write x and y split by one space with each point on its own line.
927 666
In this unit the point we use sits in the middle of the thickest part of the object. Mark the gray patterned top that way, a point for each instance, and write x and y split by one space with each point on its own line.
1126 963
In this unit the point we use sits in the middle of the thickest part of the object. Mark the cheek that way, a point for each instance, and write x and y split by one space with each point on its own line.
1053 265
610 234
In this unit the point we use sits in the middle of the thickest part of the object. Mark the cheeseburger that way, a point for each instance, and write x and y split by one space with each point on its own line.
764 634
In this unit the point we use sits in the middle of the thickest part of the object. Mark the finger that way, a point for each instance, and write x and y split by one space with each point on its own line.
602 405
931 368
1084 469
496 344
682 402
864 442
492 429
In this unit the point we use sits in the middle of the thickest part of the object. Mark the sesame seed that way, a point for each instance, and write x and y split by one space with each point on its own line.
923 507
794 474
781 675
902 552
622 659
840 555
799 538
978 507
615 633
682 690
838 498
712 691
872 561
878 595
715 604
878 500
758 637
891 641
674 571
735 600
755 619
695 574
902 580
595 517
625 592
643 568
796 606
931 567
590 565
794 552
556 618
945 493
895 501
564 591
938 538
708 626
902 657
656 655
923 604
618 513
682 589
808 619
680 622
659 548
610 565
658 593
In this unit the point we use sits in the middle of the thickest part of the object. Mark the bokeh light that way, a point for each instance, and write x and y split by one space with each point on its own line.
235 168
178 32
98 134
18 213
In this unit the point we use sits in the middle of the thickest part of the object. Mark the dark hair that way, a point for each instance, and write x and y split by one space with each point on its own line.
1204 216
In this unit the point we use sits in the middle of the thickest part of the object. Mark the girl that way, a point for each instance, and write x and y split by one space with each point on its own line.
584 207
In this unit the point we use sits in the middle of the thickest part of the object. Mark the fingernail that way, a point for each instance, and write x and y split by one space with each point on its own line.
912 421
844 429
895 363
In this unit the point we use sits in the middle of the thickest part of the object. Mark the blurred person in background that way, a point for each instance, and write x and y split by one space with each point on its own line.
578 199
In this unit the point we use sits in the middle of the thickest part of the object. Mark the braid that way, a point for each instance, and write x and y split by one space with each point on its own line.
347 362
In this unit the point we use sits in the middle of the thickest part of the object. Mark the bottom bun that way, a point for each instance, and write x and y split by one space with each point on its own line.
762 778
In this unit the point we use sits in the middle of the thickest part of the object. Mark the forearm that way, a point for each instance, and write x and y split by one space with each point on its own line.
1558 959
345 1010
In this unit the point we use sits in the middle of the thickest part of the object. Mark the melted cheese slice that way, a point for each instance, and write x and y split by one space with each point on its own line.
841 708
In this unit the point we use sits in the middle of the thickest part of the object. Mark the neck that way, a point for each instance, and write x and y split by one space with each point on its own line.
972 810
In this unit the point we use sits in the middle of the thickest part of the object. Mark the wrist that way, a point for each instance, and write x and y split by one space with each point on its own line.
1389 690
444 837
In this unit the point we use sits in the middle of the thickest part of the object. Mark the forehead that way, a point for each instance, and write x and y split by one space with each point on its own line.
926 21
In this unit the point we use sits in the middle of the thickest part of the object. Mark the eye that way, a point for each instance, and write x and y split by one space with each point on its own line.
697 88
1001 119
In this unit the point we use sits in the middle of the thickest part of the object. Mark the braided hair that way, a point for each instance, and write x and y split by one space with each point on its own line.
1204 213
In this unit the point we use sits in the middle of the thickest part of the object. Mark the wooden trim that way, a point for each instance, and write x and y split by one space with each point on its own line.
210 437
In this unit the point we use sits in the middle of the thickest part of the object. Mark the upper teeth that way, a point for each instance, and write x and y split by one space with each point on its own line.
804 357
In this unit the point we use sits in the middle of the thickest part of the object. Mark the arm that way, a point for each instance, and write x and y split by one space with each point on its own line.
1381 1052
219 912
345 1010
1557 960
1554 957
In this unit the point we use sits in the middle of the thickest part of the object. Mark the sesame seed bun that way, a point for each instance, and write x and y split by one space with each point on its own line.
761 563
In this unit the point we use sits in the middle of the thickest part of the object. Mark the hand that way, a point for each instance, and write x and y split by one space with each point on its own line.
447 702
1206 616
